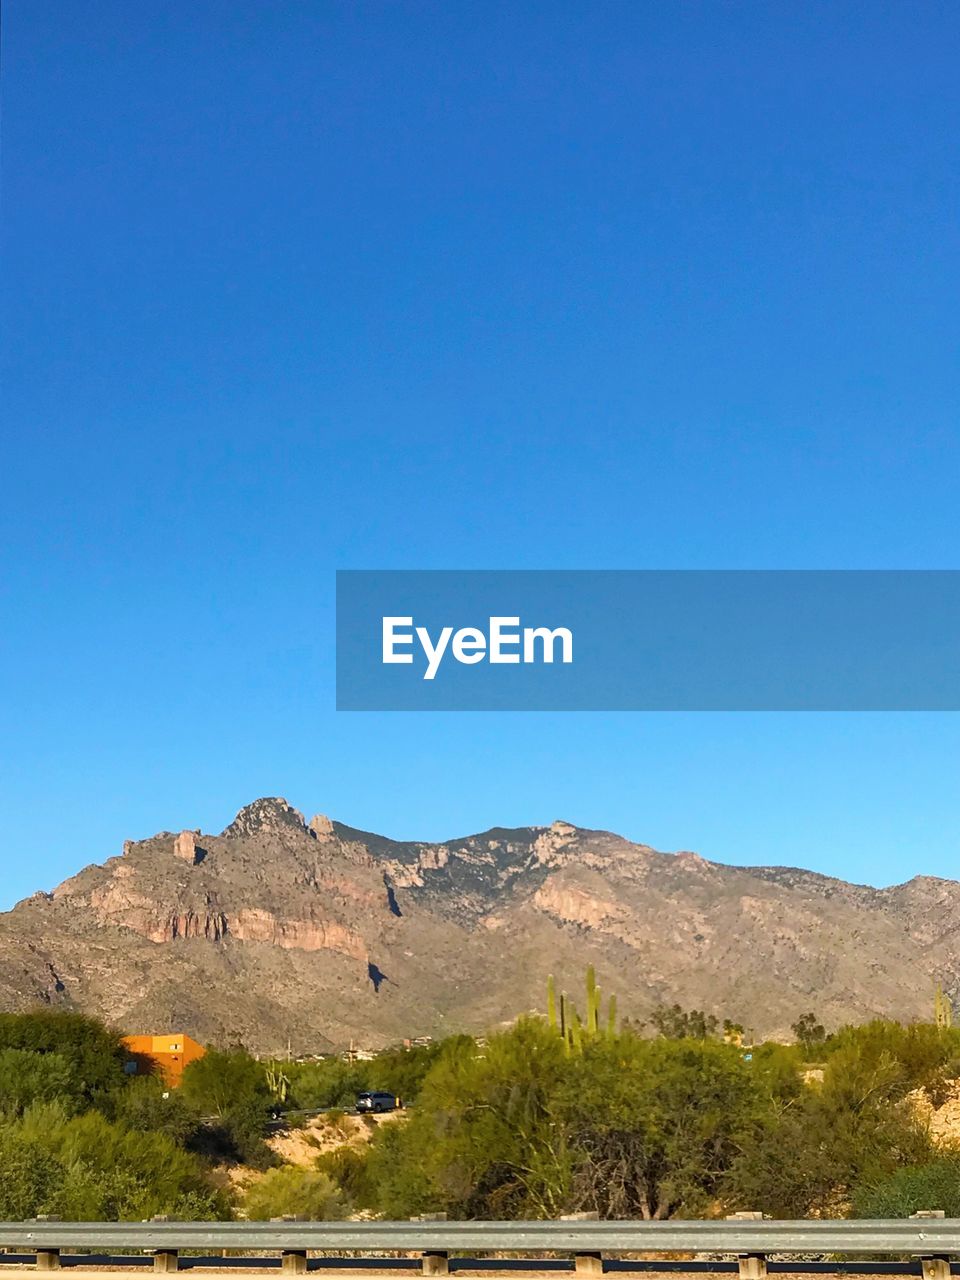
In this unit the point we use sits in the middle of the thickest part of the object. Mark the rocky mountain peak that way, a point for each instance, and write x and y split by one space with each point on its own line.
562 830
553 843
271 814
320 934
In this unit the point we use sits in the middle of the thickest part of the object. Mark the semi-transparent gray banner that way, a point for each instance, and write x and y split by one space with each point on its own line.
648 640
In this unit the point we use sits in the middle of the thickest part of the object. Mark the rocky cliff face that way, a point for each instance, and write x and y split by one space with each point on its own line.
311 932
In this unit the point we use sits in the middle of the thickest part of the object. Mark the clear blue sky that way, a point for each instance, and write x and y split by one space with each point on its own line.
295 287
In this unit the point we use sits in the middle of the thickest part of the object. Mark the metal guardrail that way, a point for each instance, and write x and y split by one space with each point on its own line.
846 1236
593 1245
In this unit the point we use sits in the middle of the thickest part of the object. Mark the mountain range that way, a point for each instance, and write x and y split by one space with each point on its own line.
281 932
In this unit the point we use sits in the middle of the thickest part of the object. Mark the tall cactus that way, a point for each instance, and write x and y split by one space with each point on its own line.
562 1015
576 1033
612 1016
278 1082
593 1002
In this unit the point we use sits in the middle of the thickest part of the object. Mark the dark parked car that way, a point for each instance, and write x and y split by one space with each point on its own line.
376 1102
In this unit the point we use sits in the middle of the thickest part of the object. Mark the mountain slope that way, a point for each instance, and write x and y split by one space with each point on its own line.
316 934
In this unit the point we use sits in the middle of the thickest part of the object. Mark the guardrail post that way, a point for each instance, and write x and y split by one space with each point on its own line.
585 1264
753 1266
48 1259
435 1262
165 1259
292 1261
935 1268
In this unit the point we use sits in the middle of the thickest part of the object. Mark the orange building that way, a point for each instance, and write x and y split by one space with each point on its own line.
165 1056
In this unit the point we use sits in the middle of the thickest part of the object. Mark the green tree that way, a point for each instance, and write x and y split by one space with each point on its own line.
776 1071
810 1151
27 1077
809 1032
676 1023
404 1172
482 1141
350 1169
656 1124
922 1054
230 1088
220 1079
93 1051
403 1071
332 1082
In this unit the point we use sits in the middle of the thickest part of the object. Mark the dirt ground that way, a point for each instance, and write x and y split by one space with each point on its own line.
328 1132
944 1121
320 1134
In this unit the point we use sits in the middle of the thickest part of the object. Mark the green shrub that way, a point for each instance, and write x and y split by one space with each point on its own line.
147 1104
337 1125
304 1193
933 1185
87 1168
808 1153
917 1054
30 1178
349 1167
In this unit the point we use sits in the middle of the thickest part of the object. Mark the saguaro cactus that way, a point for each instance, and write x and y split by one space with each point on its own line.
562 1015
593 1001
278 1082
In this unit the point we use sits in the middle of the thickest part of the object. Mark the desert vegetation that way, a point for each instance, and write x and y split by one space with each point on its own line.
562 1113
